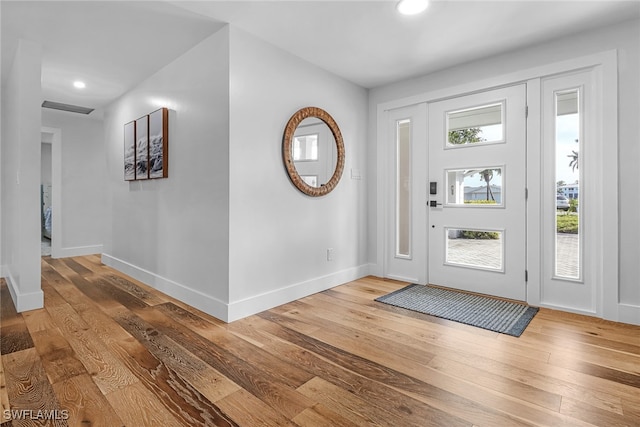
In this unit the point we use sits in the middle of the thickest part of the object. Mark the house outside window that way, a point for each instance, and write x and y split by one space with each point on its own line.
570 191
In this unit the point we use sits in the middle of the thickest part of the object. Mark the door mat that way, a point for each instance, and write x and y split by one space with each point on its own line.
483 312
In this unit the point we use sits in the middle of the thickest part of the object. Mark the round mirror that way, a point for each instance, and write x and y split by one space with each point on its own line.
313 151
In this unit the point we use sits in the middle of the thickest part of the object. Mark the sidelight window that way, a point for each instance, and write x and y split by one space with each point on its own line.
403 188
568 168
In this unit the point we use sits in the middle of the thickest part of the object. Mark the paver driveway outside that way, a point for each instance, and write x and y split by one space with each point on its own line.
488 253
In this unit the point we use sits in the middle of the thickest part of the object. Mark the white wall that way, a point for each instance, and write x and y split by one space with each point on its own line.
279 236
624 37
173 233
2 266
227 232
20 205
81 182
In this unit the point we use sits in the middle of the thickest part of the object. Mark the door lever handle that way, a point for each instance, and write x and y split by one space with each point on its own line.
434 203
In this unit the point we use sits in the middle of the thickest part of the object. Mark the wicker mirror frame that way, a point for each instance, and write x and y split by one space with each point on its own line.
287 146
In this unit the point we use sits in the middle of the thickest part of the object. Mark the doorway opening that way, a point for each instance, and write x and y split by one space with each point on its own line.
46 162
50 191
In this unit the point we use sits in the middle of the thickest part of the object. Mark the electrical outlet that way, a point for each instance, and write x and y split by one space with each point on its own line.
330 254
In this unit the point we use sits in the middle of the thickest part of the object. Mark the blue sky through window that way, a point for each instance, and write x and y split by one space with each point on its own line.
567 134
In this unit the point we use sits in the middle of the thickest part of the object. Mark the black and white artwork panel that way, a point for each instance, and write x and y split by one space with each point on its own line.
142 148
158 143
130 151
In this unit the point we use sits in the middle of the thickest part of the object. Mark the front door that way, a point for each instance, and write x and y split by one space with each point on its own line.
477 192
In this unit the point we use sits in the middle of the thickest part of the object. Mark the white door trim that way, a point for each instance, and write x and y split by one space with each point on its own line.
412 268
605 63
606 280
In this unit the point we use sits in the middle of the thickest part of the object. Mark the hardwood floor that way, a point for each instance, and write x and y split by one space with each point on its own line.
109 351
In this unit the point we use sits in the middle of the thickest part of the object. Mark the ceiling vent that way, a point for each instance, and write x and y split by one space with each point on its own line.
66 107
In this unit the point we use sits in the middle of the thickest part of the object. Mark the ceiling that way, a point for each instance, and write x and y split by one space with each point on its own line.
369 43
114 45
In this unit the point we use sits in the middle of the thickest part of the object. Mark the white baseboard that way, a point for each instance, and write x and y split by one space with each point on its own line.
76 251
267 300
628 313
23 301
176 290
3 270
402 278
376 270
238 309
568 309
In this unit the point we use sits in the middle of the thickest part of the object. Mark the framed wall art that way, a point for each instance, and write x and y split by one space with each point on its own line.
146 147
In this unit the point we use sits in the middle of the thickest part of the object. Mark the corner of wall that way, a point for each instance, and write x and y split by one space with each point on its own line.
177 241
21 118
76 251
194 298
375 269
1 182
24 301
278 236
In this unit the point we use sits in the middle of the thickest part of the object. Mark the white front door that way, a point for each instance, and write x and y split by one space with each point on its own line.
477 180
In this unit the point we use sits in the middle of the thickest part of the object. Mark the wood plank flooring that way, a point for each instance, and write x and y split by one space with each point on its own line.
109 351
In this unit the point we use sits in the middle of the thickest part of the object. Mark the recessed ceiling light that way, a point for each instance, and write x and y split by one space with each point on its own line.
79 85
412 7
